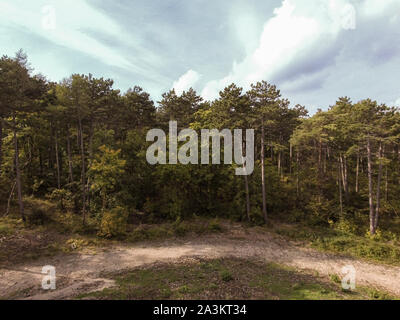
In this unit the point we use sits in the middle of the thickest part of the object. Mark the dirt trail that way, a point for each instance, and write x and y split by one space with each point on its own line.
79 273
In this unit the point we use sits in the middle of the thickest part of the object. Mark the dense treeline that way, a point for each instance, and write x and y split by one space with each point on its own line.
82 143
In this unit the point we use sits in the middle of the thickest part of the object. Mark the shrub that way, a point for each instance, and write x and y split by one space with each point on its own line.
76 244
377 236
5 230
377 295
215 226
347 226
113 223
319 212
181 229
226 276
335 278
39 211
64 199
295 216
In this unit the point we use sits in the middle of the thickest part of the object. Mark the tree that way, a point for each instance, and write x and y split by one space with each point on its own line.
105 172
76 94
20 91
265 99
231 111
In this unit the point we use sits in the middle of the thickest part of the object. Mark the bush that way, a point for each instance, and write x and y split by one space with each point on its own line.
64 199
215 226
226 276
113 223
376 237
76 244
378 295
381 236
319 212
5 230
346 226
335 278
39 212
295 216
180 229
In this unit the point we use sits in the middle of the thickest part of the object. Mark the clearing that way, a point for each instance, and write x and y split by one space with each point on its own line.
79 274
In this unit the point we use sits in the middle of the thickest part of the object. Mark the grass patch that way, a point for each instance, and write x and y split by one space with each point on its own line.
342 242
176 229
225 279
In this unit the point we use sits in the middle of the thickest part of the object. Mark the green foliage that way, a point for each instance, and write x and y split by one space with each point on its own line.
82 144
215 226
64 199
226 276
76 244
319 211
105 172
381 236
113 223
40 211
5 230
378 295
345 241
335 278
346 226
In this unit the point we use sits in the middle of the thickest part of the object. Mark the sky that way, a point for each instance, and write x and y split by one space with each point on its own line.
315 51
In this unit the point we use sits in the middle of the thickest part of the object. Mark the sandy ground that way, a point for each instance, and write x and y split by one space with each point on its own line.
79 273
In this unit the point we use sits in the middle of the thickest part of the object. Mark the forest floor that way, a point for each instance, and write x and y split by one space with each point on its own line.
93 270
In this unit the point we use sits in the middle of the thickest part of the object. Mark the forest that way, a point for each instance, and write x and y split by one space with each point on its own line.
81 144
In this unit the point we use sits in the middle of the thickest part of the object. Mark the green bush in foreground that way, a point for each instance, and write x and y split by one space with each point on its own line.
113 223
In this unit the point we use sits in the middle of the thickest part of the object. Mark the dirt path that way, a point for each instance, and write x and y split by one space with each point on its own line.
79 273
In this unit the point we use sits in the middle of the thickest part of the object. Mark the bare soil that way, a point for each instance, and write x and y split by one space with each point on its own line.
86 272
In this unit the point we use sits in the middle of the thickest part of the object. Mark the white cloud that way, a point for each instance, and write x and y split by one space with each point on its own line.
74 22
396 103
296 28
186 81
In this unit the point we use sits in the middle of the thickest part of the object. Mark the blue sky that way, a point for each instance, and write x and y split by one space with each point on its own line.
314 50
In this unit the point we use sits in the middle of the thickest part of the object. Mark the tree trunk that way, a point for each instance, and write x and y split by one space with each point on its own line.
358 170
1 142
378 188
91 157
279 163
10 198
320 171
70 176
386 184
398 155
371 200
51 148
343 164
18 172
246 183
298 175
264 196
340 187
41 163
346 177
83 171
91 135
57 161
290 159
